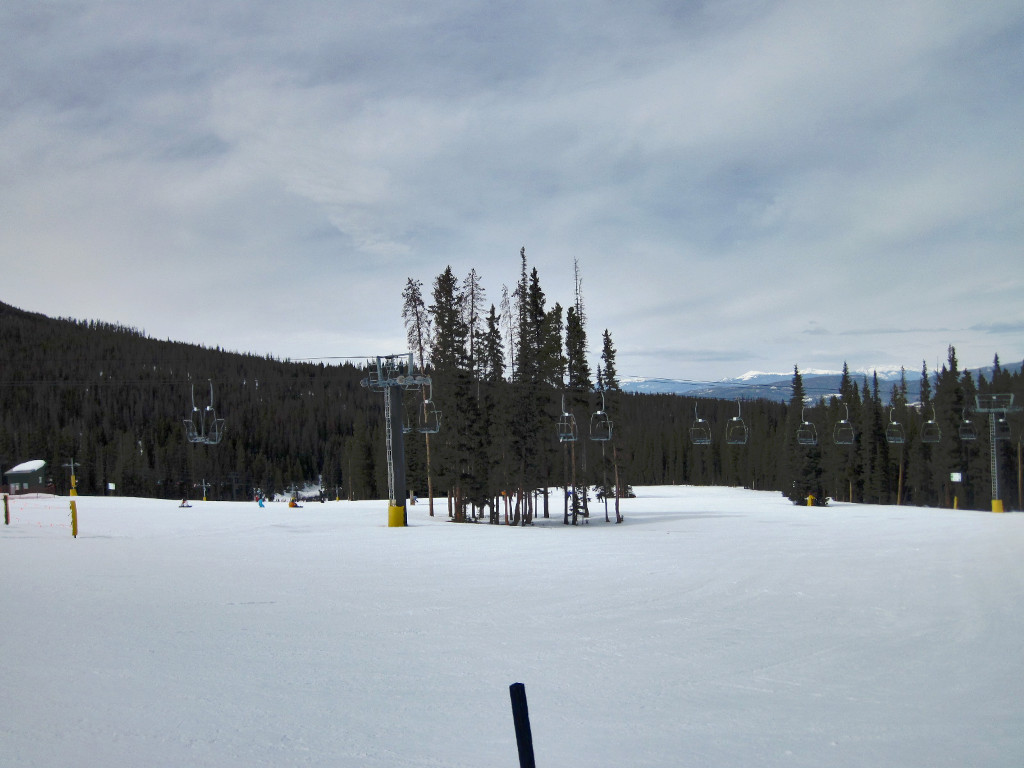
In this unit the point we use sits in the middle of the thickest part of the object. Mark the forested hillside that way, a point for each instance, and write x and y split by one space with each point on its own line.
114 401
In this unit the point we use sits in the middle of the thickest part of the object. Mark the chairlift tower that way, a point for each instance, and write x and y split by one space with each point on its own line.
996 406
393 374
74 481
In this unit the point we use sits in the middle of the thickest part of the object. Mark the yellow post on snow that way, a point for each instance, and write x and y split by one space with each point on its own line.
74 519
956 502
74 487
396 517
810 500
997 505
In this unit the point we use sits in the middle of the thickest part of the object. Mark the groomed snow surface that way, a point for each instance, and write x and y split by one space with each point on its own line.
715 627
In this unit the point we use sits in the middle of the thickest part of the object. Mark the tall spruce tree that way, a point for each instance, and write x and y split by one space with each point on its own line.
610 389
921 488
950 455
874 447
578 386
526 399
494 413
805 472
453 393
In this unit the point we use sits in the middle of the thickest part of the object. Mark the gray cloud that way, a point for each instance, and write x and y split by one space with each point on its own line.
741 181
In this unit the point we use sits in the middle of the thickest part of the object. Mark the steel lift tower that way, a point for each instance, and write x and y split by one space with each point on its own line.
395 373
997 406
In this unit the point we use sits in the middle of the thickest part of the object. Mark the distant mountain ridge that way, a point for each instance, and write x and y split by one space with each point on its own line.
755 385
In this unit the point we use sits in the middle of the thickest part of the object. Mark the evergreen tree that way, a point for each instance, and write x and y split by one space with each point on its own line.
579 386
874 447
804 460
493 412
531 409
949 455
492 352
920 476
460 441
608 352
577 369
609 385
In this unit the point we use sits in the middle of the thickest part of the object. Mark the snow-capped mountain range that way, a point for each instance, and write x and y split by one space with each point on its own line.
755 385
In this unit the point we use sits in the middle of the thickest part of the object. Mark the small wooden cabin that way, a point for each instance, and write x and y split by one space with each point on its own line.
28 477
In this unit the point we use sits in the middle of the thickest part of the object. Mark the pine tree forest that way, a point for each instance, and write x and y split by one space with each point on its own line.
533 422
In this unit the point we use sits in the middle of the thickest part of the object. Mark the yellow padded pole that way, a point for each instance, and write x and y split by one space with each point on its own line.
396 517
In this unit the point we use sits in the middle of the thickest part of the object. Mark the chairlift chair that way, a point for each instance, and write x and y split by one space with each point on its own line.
806 434
736 429
429 418
215 432
700 431
894 434
567 432
1002 428
842 433
209 430
600 424
967 430
930 432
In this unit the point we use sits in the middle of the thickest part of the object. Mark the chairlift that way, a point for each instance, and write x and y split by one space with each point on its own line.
806 434
894 434
600 424
700 431
1002 428
842 432
967 430
930 432
407 423
203 427
567 432
429 418
736 429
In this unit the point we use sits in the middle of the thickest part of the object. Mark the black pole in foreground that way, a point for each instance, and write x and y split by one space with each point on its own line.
521 717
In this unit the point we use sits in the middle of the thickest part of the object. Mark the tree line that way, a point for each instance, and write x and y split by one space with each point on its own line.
936 452
504 374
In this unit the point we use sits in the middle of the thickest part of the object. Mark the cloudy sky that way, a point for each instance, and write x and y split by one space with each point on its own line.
746 184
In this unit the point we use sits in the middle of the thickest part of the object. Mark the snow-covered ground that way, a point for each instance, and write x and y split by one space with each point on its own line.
715 627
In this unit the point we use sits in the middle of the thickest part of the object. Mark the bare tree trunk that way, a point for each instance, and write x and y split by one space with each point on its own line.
565 484
515 511
575 501
430 481
604 484
899 482
615 464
